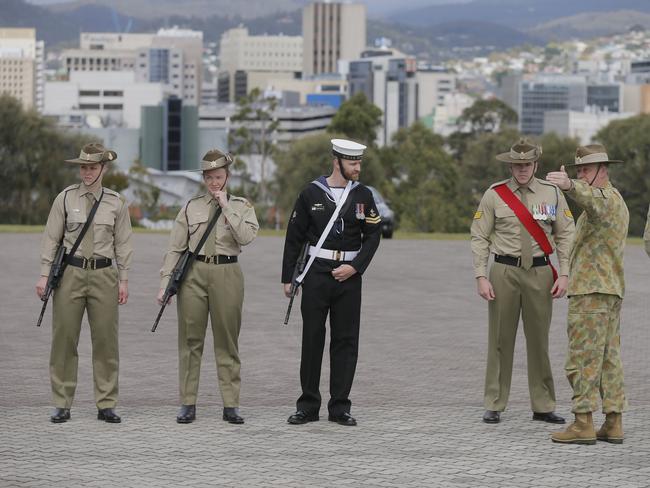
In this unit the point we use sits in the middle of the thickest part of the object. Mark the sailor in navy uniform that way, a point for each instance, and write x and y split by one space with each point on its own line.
332 283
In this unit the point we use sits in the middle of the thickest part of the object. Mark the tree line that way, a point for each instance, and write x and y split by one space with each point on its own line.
432 183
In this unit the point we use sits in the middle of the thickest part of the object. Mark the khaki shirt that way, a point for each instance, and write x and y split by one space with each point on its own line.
496 228
601 231
111 227
646 234
237 226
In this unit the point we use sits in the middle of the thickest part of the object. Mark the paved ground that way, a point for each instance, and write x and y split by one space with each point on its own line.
417 393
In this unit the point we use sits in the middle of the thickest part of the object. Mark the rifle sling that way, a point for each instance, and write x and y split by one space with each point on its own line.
85 228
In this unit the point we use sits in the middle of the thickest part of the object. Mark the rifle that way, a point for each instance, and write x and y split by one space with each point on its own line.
53 279
297 271
175 281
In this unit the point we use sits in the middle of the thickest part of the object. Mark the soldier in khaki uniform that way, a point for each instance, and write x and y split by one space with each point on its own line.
596 288
646 234
520 280
89 283
214 285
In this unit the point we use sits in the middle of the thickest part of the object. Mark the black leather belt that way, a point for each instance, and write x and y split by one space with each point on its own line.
513 261
218 259
92 263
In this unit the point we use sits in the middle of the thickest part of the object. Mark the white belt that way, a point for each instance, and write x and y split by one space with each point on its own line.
333 254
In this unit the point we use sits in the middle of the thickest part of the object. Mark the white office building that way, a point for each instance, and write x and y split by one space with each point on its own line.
97 99
22 66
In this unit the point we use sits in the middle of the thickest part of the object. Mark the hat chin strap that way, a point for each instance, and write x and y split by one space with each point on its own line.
529 179
596 175
101 171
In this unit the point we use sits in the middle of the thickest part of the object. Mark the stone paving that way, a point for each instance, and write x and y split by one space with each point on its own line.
417 393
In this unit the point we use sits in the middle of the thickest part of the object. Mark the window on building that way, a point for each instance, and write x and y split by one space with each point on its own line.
113 93
88 93
113 106
89 106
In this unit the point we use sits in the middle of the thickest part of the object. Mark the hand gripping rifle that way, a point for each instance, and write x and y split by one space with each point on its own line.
297 271
182 266
53 279
175 281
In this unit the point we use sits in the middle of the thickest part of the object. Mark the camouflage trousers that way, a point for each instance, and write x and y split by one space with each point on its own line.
593 366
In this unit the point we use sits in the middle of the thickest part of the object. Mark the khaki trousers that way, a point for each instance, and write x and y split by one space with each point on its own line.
525 293
217 290
95 291
593 366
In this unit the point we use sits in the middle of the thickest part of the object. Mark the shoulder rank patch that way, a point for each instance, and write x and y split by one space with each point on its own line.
478 214
568 213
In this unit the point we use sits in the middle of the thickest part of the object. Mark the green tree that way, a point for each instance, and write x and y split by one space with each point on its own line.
422 181
32 171
479 168
487 116
310 157
628 141
146 193
255 126
357 119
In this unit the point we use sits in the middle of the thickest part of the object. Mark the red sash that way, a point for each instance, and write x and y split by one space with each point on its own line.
525 217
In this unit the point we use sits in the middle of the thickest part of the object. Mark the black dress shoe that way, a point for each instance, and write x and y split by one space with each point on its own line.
60 415
549 417
491 417
302 417
108 415
343 419
187 414
231 415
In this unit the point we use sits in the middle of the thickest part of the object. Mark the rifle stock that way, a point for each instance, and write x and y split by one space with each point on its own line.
297 271
175 281
53 279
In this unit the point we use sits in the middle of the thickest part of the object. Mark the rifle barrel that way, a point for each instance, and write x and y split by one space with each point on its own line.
286 317
162 309
40 317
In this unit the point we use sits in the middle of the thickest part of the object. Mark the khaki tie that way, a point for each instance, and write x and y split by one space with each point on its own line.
526 240
88 242
211 243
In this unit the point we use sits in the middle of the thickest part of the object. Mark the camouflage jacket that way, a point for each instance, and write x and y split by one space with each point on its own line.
596 262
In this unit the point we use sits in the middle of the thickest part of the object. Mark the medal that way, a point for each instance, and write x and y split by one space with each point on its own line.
360 211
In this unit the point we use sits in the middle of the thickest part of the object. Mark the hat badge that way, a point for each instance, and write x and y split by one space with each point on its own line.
579 159
213 164
110 157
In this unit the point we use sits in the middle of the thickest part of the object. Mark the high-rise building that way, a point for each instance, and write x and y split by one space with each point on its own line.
388 80
332 31
247 62
549 92
171 57
21 66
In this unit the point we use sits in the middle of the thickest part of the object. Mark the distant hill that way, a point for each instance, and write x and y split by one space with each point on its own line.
160 9
63 27
591 25
516 14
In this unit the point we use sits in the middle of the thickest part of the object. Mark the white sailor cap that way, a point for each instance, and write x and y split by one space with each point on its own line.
345 149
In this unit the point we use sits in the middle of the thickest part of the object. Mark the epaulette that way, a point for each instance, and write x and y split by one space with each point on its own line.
113 193
547 183
241 199
499 183
72 187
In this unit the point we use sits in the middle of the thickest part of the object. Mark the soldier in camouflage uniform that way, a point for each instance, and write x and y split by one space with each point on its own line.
646 234
596 287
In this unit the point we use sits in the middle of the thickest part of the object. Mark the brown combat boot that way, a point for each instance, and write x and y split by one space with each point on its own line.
612 429
581 431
